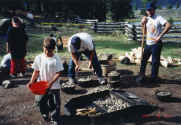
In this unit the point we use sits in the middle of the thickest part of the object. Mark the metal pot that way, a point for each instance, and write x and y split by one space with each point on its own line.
163 95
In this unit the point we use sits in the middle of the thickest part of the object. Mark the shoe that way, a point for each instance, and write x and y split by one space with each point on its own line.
12 75
101 80
54 122
21 74
72 81
140 79
46 118
154 80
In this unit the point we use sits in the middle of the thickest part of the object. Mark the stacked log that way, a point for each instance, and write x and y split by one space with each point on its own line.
135 57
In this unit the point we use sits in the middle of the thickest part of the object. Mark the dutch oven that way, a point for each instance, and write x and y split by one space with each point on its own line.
163 95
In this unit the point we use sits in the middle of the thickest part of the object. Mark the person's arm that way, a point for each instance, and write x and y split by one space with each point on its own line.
57 75
7 47
165 30
75 60
90 59
33 77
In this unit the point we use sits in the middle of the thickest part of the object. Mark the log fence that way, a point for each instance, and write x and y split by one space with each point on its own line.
103 27
84 21
134 32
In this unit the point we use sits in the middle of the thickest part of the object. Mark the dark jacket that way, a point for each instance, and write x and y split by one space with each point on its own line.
17 41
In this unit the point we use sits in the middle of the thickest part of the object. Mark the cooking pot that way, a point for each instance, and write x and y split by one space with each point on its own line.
163 95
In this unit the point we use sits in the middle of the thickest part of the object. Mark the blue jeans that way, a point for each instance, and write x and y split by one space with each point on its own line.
95 63
155 51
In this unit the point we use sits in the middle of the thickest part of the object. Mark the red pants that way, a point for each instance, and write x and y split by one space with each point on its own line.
17 66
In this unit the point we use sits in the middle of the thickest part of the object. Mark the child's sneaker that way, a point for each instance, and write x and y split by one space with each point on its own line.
46 118
54 123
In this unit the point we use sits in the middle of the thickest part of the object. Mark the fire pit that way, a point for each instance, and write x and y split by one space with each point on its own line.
108 102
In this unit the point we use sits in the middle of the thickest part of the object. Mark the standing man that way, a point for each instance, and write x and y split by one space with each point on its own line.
152 25
83 43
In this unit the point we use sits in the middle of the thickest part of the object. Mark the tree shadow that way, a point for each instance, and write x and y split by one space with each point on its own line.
169 119
128 81
124 72
89 84
74 91
167 81
171 100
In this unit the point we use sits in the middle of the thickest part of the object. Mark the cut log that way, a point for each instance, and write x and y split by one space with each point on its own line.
164 63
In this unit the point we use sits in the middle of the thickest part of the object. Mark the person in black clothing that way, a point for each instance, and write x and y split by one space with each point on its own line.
16 45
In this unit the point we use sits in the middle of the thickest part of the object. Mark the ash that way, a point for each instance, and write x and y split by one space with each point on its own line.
112 103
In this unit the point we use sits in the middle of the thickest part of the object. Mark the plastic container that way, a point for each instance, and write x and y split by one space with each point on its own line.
39 88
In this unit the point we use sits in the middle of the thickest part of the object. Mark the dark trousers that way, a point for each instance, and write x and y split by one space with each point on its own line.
95 63
155 51
17 65
49 104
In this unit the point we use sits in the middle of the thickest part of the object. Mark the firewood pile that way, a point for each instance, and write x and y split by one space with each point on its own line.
135 57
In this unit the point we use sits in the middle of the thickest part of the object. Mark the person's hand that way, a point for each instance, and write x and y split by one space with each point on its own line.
77 68
90 65
29 84
157 39
144 20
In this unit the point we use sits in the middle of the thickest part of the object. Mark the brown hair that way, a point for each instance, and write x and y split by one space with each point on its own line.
49 43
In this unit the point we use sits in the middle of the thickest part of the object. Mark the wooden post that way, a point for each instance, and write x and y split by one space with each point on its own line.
95 27
142 42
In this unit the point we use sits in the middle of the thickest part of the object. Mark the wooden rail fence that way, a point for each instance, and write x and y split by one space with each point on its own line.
85 21
103 27
133 32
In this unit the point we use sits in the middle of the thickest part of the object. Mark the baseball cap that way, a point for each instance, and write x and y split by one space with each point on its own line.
150 6
75 42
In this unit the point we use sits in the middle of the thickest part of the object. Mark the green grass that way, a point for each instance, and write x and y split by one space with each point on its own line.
171 49
111 44
105 43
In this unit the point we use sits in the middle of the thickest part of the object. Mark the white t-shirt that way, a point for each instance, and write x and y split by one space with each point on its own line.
86 42
153 26
48 67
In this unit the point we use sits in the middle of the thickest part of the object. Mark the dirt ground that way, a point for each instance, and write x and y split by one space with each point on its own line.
16 103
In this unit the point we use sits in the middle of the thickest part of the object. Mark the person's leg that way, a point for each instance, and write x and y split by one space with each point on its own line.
55 104
71 67
42 103
13 67
95 63
22 65
146 56
156 52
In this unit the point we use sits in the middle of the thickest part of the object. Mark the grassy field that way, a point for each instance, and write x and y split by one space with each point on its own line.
115 43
